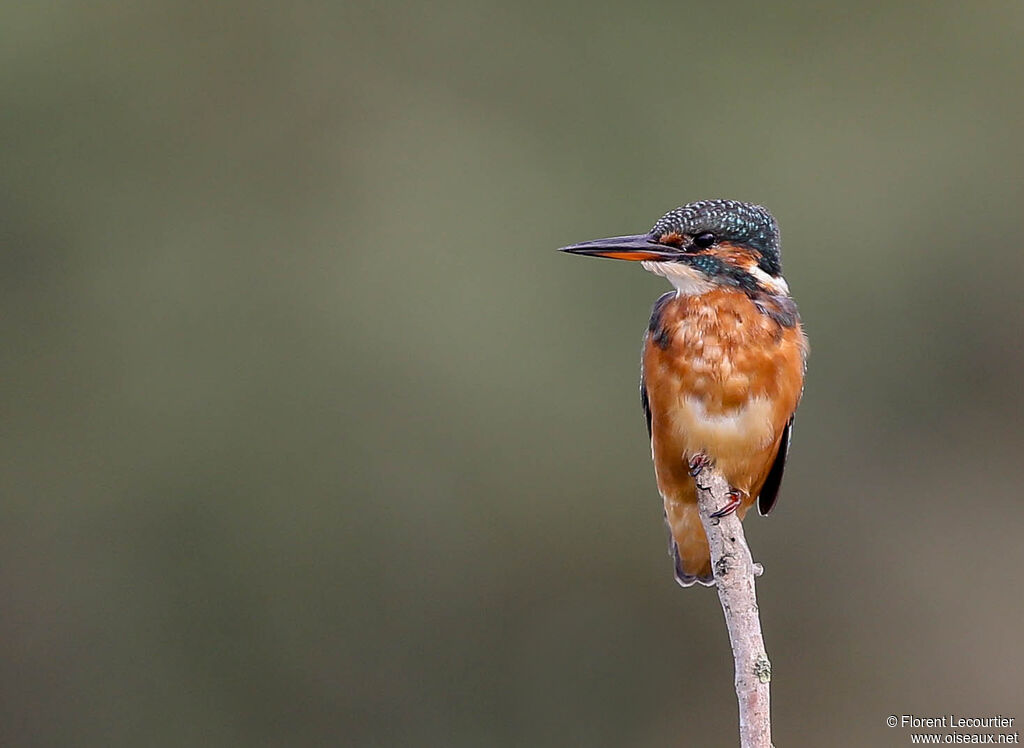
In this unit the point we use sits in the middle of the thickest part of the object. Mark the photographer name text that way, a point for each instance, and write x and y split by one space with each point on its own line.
951 720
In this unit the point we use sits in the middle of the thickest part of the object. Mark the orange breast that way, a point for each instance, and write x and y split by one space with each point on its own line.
722 378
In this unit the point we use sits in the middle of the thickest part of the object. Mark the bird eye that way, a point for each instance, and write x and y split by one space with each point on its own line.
704 240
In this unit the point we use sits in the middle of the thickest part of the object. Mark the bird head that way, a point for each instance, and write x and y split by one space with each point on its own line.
702 245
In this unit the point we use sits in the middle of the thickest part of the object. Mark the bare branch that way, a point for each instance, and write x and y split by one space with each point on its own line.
734 577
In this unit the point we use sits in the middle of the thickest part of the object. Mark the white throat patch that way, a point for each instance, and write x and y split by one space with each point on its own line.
687 280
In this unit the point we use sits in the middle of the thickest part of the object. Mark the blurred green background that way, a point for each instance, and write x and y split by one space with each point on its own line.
309 437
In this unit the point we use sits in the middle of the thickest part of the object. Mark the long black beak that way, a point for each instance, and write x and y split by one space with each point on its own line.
637 247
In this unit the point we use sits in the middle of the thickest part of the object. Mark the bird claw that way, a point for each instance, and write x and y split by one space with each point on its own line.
697 464
735 499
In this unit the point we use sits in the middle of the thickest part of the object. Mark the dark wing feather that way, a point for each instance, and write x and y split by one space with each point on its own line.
657 334
770 490
645 401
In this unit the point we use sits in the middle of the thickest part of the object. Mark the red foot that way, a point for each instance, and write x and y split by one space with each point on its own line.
735 499
697 463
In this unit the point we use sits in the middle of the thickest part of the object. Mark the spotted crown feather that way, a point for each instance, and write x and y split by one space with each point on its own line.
730 220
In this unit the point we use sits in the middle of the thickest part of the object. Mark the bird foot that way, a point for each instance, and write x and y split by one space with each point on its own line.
698 462
735 498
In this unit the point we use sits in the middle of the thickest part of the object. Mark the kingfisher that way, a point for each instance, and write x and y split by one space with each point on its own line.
723 363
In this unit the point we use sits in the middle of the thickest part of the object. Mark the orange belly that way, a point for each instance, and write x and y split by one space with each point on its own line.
721 378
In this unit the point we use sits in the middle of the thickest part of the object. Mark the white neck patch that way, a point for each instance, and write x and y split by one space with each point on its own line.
772 285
